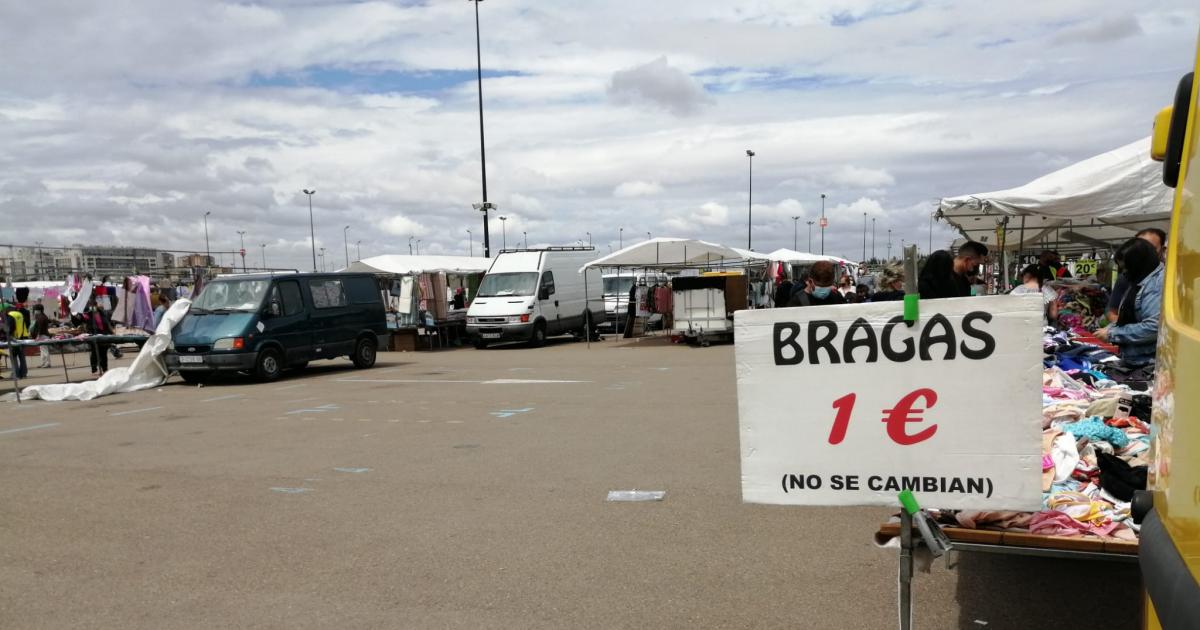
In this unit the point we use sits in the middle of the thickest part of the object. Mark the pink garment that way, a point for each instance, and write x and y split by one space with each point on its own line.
1052 523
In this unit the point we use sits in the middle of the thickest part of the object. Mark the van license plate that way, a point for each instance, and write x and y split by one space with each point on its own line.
490 335
187 359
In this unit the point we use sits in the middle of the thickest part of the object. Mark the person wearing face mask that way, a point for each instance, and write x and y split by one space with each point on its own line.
1136 329
819 290
1155 237
946 277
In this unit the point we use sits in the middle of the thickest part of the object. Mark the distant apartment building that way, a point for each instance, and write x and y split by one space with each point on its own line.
22 262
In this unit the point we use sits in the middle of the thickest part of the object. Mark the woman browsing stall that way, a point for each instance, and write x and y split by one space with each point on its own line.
1136 329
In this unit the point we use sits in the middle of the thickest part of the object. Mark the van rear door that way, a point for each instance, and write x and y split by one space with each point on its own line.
332 336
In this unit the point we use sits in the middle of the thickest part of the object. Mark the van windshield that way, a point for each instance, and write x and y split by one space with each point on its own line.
504 284
232 295
617 285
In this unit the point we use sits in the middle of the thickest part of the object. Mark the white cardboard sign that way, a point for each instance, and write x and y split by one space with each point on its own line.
848 405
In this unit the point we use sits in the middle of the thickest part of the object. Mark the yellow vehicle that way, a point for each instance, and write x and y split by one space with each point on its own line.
1170 537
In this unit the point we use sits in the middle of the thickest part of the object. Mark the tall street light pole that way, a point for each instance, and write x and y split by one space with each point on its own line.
410 240
312 235
750 201
647 236
471 240
795 232
264 254
620 238
346 243
823 224
810 224
589 235
503 233
418 247
207 251
864 257
872 238
889 245
526 235
358 249
242 251
322 259
487 243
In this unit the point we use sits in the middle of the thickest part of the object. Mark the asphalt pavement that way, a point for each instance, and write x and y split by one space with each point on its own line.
461 489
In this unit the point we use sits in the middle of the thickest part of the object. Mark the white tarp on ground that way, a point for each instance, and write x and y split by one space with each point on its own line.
668 252
1100 201
145 372
403 265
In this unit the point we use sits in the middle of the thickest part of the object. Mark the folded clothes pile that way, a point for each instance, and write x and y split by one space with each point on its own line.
1094 457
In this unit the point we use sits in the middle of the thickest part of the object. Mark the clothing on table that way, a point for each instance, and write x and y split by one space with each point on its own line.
1136 332
1094 429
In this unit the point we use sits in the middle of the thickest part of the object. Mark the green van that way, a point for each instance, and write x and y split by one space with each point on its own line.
262 324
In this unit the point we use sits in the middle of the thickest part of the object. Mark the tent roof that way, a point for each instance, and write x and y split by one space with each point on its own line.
404 265
668 252
1098 202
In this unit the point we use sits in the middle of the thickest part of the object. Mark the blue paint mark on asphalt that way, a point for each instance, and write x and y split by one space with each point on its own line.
508 413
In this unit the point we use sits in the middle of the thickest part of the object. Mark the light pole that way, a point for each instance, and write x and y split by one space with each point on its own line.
589 235
823 224
322 259
358 249
264 254
346 243
242 251
503 232
526 235
418 247
810 224
471 240
487 243
931 215
207 251
872 238
864 257
750 201
647 236
410 240
795 231
312 235
889 245
620 238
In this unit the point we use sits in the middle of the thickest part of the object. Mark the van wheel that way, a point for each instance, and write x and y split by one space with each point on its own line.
269 366
538 339
364 353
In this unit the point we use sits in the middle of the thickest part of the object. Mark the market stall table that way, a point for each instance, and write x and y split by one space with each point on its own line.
62 343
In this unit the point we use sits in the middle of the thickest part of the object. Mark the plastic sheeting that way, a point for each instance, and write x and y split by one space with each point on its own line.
1100 201
145 372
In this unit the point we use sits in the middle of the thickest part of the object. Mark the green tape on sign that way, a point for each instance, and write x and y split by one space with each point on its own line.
909 502
912 303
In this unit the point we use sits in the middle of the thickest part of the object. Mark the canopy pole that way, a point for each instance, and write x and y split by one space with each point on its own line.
1021 245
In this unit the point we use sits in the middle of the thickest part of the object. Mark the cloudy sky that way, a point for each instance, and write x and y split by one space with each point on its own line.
122 122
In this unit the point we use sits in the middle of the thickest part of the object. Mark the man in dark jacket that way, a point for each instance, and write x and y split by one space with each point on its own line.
819 290
946 277
39 329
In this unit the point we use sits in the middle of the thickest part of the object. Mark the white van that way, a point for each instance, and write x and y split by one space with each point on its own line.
529 295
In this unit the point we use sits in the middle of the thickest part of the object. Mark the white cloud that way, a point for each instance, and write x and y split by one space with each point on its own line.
401 225
660 84
637 189
849 175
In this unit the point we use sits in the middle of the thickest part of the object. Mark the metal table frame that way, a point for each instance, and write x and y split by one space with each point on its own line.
908 543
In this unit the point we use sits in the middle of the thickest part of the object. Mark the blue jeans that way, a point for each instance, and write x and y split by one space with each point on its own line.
17 355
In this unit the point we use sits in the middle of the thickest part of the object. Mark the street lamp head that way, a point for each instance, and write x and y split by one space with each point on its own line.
309 192
487 205
503 218
208 213
749 153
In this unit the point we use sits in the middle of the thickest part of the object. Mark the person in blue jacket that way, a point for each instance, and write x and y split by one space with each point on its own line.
1136 329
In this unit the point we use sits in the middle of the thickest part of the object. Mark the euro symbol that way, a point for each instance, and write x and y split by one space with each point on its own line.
904 413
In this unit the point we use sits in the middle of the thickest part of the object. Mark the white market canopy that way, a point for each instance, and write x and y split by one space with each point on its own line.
1098 202
402 265
668 252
